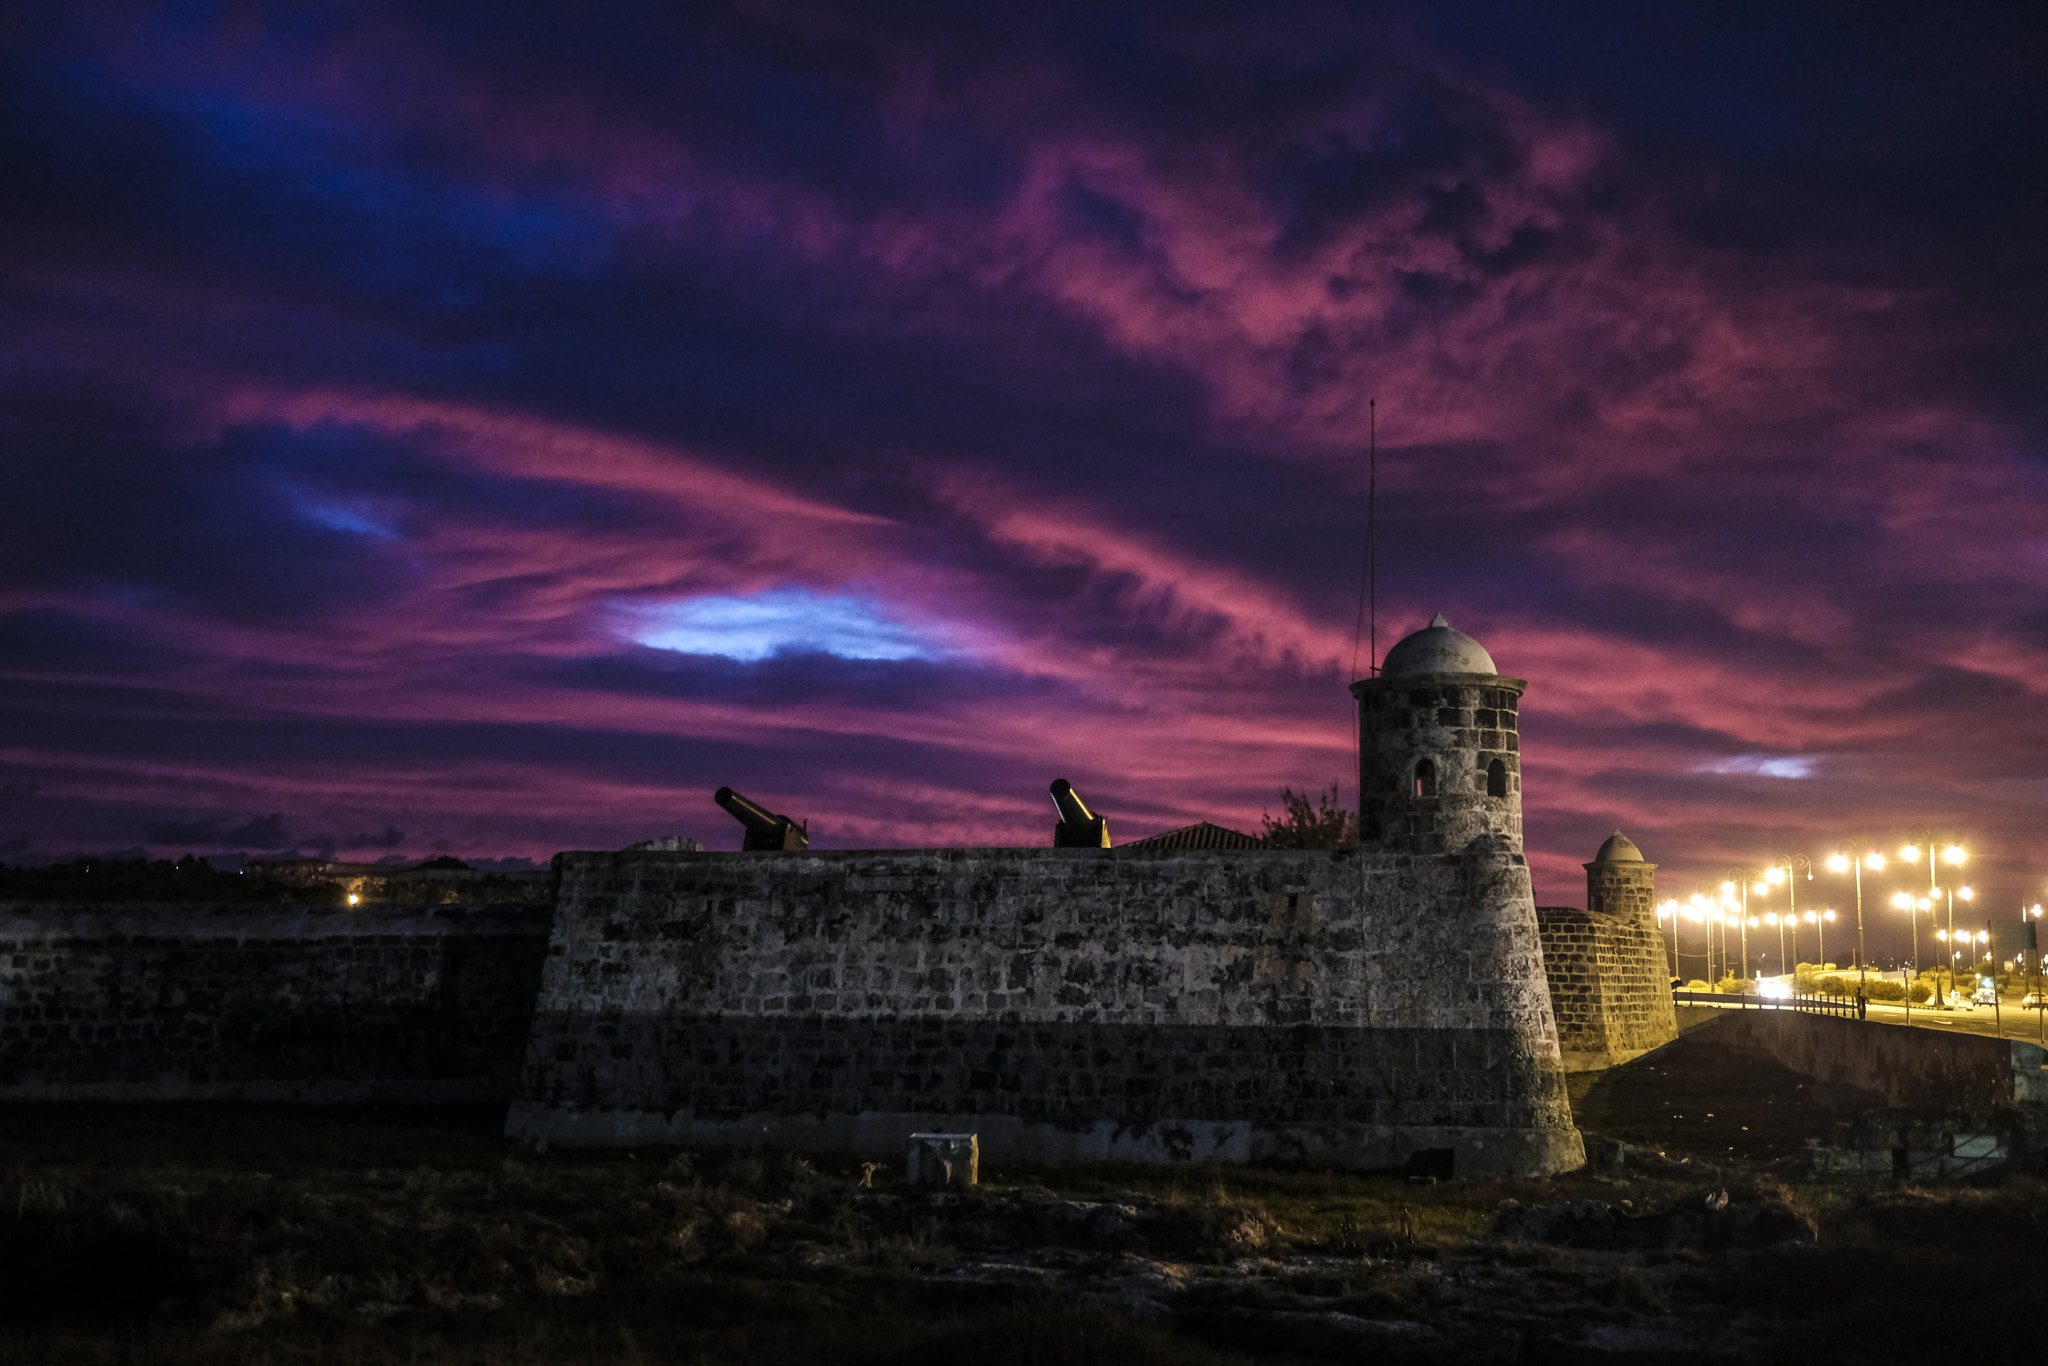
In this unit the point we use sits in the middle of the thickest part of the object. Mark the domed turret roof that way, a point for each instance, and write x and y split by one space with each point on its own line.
1618 849
1437 649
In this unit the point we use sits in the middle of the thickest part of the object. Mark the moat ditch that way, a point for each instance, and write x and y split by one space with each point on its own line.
217 1234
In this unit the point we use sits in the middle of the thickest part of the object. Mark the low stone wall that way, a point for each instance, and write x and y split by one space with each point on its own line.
1068 1004
1609 985
1912 1067
160 1002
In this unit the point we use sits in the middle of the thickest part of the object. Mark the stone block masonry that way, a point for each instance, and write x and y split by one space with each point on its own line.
1610 984
1607 987
266 1003
1069 1004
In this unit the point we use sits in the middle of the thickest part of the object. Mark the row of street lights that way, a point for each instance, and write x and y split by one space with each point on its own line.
1731 904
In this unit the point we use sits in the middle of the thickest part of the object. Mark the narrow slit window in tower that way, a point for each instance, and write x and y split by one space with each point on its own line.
1425 779
1496 779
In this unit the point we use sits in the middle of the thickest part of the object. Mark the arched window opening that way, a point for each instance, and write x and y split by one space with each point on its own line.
1496 779
1425 779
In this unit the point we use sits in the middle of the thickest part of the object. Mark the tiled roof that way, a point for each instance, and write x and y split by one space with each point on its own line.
1201 835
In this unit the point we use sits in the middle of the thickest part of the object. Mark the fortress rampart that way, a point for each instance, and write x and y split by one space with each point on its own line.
1149 1005
1379 1006
251 1002
1610 983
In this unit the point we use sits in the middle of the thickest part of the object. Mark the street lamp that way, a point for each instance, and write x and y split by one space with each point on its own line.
1668 910
1953 892
1706 910
1738 884
1787 869
1820 920
1695 910
1719 916
1856 856
1912 906
1781 921
1939 849
1718 904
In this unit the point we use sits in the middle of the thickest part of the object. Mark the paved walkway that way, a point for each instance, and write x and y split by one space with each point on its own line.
2010 1021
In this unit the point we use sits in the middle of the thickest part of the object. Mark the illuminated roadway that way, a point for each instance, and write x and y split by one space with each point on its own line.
2017 1023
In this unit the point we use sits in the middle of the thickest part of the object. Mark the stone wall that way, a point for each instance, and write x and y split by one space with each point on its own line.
149 1002
1462 724
1149 1005
1911 1067
1610 988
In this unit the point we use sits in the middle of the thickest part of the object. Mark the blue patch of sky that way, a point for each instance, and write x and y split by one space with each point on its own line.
1763 765
787 621
363 181
341 517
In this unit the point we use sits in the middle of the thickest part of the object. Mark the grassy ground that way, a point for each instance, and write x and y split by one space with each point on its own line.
216 1235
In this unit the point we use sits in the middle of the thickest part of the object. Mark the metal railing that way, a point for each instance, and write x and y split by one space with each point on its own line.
1811 1005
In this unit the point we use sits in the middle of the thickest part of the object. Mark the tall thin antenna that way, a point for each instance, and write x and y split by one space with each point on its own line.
1368 588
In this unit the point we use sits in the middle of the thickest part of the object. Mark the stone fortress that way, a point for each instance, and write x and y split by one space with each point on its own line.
1402 1003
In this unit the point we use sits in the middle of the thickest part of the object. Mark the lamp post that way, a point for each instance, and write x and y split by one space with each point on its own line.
1773 918
1787 869
2040 1016
1669 910
1912 906
1856 856
1714 906
1738 883
1966 894
1820 920
1706 910
1939 849
1695 910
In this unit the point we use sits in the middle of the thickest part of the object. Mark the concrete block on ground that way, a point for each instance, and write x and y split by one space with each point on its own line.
945 1161
1851 1161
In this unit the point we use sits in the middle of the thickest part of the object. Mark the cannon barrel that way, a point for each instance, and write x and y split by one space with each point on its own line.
1073 810
755 817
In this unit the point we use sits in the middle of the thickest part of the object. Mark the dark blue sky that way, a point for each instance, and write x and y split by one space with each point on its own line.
491 430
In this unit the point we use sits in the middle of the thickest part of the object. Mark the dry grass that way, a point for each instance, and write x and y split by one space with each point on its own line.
239 1236
225 1236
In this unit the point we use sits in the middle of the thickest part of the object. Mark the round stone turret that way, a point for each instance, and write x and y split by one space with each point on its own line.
1620 883
1618 849
1439 758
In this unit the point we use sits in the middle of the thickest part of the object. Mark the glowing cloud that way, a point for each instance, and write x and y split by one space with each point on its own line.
790 621
1764 765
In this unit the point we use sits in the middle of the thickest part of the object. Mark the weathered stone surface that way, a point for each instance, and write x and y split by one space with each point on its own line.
1703 1222
1150 1005
273 1003
941 1160
1405 721
1610 983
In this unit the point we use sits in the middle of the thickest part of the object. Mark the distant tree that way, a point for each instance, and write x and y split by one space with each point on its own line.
1306 824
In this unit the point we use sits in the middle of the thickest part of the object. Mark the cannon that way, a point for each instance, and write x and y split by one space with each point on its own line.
1079 828
765 829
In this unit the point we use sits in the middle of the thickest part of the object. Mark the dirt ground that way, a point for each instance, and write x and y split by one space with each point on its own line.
1702 1100
239 1235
